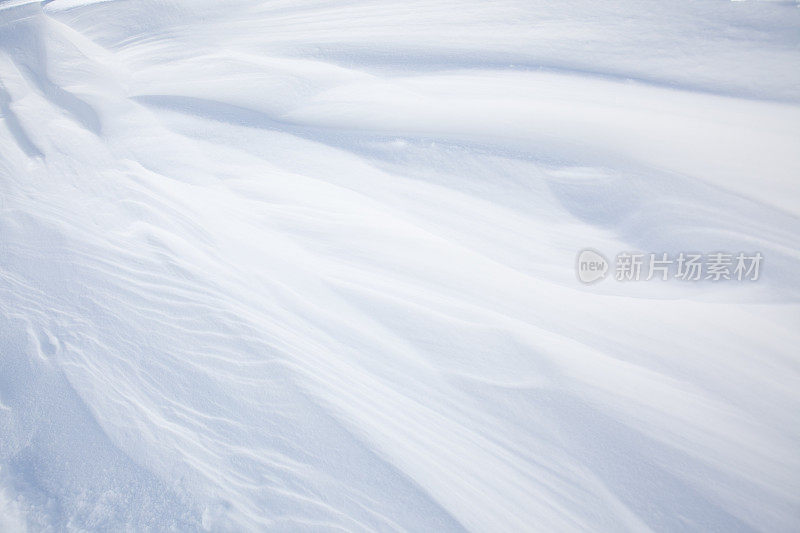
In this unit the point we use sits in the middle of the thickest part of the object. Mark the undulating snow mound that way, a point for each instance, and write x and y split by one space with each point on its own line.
306 265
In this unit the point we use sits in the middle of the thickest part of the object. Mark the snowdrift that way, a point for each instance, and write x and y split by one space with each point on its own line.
310 266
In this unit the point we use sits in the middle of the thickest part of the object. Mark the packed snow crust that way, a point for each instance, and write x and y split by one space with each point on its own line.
307 265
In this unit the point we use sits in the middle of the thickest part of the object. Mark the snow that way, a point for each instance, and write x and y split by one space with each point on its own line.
310 266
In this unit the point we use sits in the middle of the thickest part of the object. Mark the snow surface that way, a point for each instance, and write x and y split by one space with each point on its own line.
308 265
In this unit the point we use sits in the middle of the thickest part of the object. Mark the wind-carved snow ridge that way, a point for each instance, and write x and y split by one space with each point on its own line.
309 266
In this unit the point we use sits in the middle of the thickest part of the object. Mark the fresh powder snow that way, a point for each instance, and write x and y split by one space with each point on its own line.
311 266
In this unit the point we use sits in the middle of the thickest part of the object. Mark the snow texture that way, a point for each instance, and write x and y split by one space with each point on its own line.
307 265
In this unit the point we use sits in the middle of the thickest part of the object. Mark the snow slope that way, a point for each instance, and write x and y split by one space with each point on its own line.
308 265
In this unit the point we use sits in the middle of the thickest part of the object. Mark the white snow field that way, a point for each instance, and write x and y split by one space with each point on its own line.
310 266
